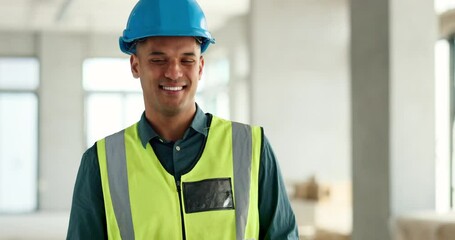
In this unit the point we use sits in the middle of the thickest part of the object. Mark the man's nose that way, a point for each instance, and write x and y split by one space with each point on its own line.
173 71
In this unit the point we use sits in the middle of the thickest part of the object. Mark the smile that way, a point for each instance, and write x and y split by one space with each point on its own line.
172 88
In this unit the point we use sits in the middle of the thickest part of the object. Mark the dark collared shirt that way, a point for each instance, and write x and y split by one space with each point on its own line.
88 220
176 157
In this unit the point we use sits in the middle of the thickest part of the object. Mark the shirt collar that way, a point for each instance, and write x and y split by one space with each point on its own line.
146 131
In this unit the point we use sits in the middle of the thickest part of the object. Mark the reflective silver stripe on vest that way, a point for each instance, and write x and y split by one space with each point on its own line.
118 183
242 154
118 179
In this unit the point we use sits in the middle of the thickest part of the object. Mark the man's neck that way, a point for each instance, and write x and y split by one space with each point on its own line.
171 128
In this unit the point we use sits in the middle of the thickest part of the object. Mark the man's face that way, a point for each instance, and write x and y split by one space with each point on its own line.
169 69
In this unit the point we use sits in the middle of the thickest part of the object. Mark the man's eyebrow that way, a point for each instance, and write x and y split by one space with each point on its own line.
190 54
156 53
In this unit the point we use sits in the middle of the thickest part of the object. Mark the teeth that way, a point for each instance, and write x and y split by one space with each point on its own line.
172 88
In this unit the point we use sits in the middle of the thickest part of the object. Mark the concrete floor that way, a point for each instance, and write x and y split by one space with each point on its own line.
35 226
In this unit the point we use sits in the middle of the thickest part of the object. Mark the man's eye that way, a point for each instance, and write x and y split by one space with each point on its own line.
157 60
188 61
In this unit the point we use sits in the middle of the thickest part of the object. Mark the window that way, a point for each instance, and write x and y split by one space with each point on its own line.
113 98
449 96
441 6
19 80
445 108
213 90
442 126
445 124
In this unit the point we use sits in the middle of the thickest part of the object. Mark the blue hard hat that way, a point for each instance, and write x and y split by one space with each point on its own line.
165 18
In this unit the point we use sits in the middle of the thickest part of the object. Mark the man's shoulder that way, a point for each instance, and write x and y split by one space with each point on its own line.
91 153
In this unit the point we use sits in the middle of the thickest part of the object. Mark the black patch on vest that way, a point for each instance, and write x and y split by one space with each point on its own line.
208 195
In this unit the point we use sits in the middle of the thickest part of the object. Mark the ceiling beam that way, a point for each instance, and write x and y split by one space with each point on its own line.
63 10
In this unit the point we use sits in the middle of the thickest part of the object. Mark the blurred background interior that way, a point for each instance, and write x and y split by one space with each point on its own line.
356 97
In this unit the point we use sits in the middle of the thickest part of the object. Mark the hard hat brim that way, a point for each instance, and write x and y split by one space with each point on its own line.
128 45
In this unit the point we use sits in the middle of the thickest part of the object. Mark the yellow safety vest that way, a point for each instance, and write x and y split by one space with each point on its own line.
217 199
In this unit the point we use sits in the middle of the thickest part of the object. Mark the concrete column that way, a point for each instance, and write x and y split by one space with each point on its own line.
61 117
370 77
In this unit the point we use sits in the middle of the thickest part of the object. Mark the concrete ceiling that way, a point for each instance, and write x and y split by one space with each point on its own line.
95 15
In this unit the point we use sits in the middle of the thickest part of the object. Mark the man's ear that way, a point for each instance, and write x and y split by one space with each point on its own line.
134 63
201 66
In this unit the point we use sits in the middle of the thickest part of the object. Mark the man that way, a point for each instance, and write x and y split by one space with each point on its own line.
178 173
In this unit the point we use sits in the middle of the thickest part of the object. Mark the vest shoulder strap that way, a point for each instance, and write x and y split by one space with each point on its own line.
242 154
118 183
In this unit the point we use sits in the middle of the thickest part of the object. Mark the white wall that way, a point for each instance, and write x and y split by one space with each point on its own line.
413 37
300 84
